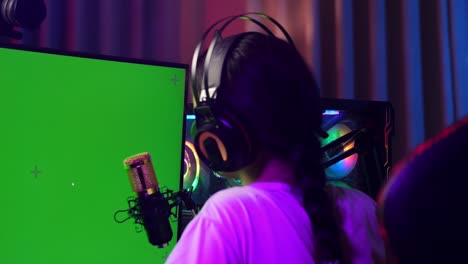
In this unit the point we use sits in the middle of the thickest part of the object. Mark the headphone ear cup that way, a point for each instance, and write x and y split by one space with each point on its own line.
211 149
225 146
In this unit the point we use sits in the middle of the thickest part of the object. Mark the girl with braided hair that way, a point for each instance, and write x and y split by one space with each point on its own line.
284 212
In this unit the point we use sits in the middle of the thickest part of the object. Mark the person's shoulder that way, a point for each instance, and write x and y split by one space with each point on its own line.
228 193
226 197
354 197
358 219
247 193
225 205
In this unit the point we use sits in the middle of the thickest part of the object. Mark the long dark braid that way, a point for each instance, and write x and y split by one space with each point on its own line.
318 205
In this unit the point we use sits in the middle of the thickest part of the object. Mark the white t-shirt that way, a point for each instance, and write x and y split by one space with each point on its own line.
264 222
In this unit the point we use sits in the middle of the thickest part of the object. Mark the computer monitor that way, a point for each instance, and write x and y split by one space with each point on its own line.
68 122
362 162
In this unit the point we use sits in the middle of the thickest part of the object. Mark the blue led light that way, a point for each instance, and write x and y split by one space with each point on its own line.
331 112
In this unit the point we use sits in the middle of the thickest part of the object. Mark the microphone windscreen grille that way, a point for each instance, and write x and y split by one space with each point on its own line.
141 172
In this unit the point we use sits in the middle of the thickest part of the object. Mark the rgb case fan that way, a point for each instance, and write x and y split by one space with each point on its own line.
357 151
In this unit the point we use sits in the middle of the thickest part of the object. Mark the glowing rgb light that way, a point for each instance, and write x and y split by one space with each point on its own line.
340 184
192 166
342 168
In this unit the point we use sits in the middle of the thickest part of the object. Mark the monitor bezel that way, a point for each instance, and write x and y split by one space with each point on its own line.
88 55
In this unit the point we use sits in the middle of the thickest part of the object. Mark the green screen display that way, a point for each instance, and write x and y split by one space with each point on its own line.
67 124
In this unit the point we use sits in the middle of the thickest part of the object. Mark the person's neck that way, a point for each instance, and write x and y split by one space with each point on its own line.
273 170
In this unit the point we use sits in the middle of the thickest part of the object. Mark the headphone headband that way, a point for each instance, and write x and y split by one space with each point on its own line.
216 38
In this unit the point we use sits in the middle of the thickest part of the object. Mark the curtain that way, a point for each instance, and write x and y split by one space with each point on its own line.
413 53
